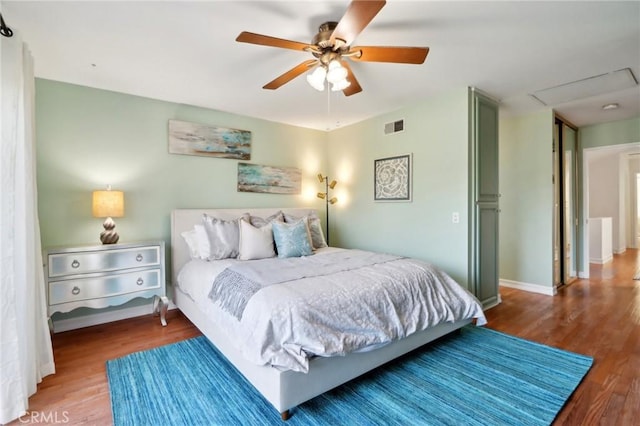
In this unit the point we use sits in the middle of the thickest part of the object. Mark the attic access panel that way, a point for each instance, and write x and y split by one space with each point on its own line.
587 87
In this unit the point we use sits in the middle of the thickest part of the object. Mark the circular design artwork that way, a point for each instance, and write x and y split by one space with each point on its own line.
392 179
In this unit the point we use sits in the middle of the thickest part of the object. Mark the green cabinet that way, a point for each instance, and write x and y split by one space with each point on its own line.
485 196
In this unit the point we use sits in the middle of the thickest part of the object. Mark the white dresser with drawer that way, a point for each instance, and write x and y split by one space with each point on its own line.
99 276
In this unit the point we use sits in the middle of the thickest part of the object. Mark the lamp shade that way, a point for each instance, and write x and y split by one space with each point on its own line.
316 78
108 204
336 72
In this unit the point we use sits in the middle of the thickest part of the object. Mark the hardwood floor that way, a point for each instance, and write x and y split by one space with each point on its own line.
79 390
599 317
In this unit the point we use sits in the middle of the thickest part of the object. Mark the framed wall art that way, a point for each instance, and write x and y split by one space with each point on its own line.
210 141
269 179
392 178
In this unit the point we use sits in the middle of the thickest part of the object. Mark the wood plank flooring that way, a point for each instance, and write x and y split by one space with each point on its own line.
599 317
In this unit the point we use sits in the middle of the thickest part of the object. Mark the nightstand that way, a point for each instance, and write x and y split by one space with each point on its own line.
105 275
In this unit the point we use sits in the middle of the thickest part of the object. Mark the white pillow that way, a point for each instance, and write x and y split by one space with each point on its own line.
192 241
255 243
202 239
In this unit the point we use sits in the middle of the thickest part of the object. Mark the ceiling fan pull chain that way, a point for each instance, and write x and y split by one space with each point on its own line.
328 108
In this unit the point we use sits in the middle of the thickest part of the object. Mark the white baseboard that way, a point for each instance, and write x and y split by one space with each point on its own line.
620 250
104 317
583 274
601 261
532 288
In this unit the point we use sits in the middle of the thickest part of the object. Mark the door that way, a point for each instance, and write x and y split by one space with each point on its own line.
557 214
484 201
569 203
565 219
487 273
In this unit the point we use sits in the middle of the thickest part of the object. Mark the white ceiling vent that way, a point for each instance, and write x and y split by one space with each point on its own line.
587 87
394 127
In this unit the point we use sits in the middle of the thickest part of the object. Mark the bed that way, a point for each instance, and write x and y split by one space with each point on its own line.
281 385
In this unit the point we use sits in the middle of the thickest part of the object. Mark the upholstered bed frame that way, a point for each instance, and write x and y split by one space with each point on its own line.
283 389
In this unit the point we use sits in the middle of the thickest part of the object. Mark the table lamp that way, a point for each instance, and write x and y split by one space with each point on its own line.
108 204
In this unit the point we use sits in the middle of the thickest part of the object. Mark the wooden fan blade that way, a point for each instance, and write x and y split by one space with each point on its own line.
263 40
401 55
355 19
354 87
291 74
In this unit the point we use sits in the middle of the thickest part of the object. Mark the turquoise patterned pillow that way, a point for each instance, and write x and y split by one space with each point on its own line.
315 229
292 239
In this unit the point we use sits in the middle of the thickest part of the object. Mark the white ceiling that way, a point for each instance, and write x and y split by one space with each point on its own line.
185 52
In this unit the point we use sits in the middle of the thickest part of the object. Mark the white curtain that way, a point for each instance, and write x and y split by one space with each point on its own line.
26 355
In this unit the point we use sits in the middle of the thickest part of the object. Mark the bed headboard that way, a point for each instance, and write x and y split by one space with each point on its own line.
184 219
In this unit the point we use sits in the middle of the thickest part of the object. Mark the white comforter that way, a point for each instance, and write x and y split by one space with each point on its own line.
284 324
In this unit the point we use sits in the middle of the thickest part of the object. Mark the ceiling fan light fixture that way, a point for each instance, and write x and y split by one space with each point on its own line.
340 85
336 72
316 78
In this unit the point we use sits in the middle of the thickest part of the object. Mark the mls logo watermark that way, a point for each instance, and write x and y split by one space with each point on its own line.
48 417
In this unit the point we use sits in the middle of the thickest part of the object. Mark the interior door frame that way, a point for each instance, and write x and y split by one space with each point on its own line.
563 276
586 154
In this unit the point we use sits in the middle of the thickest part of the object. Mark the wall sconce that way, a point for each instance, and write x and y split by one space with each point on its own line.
325 196
108 204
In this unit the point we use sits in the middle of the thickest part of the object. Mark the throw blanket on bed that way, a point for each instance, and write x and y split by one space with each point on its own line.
234 286
345 308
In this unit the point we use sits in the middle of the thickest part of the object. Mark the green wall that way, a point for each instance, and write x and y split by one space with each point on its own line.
612 133
88 138
600 135
437 133
526 167
526 218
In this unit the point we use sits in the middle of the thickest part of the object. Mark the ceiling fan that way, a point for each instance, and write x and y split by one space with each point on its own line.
332 45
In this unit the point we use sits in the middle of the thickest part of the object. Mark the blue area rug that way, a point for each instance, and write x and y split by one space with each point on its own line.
477 377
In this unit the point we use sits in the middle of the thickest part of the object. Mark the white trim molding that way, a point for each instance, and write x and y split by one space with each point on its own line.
601 260
531 288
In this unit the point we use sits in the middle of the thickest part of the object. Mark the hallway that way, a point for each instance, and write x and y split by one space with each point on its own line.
599 317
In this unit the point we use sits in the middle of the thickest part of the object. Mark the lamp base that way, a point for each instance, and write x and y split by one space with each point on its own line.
109 235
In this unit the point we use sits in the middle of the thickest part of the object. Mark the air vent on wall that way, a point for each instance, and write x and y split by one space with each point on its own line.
394 127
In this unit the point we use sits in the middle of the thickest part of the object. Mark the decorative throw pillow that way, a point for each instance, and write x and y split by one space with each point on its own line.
292 239
224 237
315 229
255 243
202 239
192 241
259 222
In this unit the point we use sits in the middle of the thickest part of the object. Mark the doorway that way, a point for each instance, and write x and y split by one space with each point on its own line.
610 189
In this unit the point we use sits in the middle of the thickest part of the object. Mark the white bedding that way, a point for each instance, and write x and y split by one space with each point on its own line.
284 324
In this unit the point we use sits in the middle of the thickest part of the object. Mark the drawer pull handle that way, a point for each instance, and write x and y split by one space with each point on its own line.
75 264
139 258
140 281
75 291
